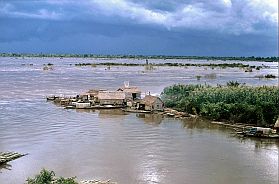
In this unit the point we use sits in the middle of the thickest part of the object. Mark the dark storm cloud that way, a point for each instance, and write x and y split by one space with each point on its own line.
177 27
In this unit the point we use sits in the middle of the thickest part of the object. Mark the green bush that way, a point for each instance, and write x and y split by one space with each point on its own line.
48 177
270 76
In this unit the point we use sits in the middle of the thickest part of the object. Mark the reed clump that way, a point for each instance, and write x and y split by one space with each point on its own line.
234 103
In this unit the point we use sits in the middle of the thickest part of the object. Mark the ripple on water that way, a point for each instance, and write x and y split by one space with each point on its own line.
127 148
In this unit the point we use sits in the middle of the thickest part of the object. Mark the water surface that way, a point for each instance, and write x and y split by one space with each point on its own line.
123 147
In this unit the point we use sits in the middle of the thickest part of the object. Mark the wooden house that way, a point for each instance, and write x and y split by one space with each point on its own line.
151 103
131 93
116 98
93 95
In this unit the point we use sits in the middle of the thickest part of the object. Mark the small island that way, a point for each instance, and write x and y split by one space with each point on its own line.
128 98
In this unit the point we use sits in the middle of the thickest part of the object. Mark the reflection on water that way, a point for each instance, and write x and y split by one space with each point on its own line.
261 143
200 123
152 119
5 166
84 110
124 147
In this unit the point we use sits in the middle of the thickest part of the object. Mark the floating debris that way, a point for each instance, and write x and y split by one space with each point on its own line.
9 156
97 182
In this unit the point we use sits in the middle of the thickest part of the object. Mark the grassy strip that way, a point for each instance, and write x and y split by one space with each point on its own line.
233 103
251 58
222 65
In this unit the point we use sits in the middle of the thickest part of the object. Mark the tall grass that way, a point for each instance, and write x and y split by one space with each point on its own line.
242 104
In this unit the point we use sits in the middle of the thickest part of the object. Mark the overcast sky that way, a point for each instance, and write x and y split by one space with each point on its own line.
148 27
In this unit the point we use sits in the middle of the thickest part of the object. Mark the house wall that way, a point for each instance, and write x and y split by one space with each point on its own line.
138 95
157 105
130 96
82 105
148 108
111 102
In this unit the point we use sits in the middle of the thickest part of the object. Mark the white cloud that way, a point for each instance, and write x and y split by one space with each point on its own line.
129 10
40 14
266 9
10 11
230 16
233 16
227 3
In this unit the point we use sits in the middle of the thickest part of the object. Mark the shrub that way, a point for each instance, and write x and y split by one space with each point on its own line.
233 83
270 76
48 177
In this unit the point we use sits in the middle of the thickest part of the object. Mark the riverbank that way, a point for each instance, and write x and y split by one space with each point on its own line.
183 115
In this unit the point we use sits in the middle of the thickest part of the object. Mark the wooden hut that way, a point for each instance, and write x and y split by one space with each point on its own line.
93 95
151 103
116 98
131 92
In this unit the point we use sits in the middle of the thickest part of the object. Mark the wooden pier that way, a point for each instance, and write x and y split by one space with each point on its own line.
9 156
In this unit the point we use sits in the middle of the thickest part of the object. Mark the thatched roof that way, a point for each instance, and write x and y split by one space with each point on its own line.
130 89
277 124
111 95
94 92
149 99
84 94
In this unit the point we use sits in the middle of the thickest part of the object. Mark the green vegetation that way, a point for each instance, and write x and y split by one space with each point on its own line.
234 103
221 65
233 84
251 58
48 177
270 76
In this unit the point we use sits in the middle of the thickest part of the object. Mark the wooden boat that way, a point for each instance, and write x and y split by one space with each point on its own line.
259 132
269 136
51 98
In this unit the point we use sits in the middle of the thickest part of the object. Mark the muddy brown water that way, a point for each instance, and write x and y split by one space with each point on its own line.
124 147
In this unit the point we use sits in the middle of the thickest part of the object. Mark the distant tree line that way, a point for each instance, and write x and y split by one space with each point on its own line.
250 58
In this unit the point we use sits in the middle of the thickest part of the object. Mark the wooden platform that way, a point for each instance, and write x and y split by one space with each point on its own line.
9 156
136 111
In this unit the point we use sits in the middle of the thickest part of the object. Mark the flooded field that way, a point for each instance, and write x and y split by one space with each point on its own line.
124 147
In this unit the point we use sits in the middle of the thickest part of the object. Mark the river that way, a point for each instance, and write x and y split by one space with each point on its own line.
124 147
